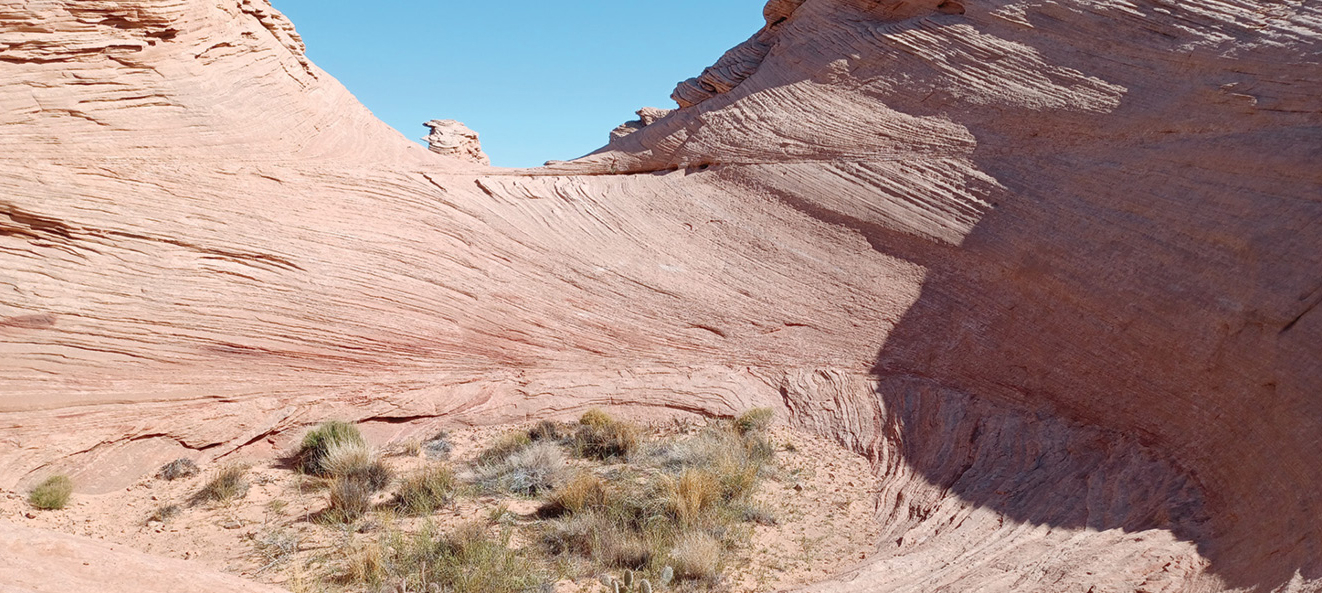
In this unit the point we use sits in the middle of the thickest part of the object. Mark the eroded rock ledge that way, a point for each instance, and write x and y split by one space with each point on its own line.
1047 264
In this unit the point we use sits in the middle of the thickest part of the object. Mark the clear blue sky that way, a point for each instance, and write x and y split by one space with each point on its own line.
537 80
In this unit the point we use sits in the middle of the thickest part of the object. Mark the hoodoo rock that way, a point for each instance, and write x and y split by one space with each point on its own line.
451 138
1050 266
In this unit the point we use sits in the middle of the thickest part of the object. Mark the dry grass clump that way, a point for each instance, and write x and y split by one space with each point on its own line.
754 420
603 538
683 511
600 436
438 446
358 462
431 488
317 443
52 493
229 483
697 556
673 513
505 446
356 474
164 513
583 491
545 431
528 471
276 547
467 560
179 468
349 499
690 498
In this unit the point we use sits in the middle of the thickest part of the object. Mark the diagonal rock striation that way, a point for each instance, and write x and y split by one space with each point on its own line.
1050 265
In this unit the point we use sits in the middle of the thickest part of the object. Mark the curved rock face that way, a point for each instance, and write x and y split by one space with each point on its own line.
1051 265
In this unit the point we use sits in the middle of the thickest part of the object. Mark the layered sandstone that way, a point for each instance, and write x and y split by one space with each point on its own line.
1049 265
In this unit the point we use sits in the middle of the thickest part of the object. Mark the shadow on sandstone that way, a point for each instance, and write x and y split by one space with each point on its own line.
1074 364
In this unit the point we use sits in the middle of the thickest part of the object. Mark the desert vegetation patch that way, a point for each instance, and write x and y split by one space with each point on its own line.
598 503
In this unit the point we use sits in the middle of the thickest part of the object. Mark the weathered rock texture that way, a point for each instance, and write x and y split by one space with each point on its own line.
453 139
646 116
1051 265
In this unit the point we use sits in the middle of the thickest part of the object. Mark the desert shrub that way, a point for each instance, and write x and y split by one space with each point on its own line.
584 491
595 417
276 546
508 444
598 537
438 446
52 493
366 564
164 513
425 491
737 461
411 447
696 556
356 461
350 498
311 454
601 437
179 468
467 560
754 420
229 483
690 498
346 457
544 431
528 471
356 474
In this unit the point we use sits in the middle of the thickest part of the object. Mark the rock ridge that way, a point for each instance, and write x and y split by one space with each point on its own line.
1046 264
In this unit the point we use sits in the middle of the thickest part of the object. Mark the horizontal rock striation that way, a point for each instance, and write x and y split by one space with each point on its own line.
1049 265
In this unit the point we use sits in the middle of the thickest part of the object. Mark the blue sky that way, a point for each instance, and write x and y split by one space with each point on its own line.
537 80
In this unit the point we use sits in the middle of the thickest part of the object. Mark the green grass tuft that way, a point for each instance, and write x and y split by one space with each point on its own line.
317 443
52 493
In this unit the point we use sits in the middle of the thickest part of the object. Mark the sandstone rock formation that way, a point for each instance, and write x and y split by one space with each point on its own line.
37 561
646 116
1051 265
453 139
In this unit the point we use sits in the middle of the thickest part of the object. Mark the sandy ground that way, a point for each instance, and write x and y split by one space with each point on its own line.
821 495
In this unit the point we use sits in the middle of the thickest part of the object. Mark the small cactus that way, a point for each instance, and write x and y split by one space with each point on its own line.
667 575
628 579
615 586
607 581
645 586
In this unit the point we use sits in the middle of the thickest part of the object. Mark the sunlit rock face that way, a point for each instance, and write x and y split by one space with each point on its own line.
1051 265
453 139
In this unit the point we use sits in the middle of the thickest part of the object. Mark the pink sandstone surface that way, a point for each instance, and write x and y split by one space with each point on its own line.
1051 266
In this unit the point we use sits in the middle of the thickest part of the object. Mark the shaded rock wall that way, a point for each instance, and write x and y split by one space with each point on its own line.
1051 265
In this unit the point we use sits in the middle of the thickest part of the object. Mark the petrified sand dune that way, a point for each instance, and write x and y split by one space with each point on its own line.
1051 265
